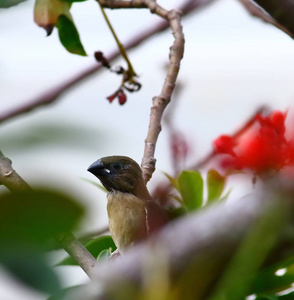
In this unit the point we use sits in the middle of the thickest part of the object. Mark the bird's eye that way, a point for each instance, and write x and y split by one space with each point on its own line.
116 166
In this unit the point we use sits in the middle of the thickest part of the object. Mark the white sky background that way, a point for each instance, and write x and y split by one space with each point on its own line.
232 64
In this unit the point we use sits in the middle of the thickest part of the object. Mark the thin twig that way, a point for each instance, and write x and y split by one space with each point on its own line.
119 45
53 94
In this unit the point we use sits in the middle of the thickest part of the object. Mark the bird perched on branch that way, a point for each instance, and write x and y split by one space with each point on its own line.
132 214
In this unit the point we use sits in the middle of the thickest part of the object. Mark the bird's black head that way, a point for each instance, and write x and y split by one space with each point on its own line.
119 173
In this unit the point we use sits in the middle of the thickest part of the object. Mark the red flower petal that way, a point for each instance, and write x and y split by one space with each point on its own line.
262 149
112 97
122 97
224 144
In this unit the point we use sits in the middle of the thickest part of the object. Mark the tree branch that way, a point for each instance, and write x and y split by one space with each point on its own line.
53 95
78 252
161 101
9 177
200 247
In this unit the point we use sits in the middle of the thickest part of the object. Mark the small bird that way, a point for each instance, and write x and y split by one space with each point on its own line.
132 214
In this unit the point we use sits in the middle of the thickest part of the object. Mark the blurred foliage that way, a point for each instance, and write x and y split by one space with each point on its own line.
49 134
28 222
9 3
215 185
190 185
67 293
34 217
242 271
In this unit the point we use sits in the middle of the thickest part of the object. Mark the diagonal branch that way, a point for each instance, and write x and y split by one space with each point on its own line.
55 93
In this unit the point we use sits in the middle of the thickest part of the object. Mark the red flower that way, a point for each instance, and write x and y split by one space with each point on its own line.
122 97
224 144
262 149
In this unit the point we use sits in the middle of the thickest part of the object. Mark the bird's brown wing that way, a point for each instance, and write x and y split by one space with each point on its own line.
156 217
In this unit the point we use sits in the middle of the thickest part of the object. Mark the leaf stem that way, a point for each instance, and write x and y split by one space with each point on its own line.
120 46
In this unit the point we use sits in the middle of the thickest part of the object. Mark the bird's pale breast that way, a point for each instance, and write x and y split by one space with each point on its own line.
127 218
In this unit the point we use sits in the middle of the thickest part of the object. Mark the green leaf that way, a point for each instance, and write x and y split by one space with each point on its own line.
29 220
30 267
36 216
173 181
215 185
69 36
289 296
95 247
103 255
9 3
191 189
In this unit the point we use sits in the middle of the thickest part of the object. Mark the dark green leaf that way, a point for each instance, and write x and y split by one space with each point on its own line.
267 297
69 36
95 247
30 267
34 217
191 189
289 296
9 3
176 212
266 280
215 185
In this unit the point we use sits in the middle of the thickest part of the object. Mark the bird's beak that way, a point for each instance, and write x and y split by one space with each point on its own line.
97 168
